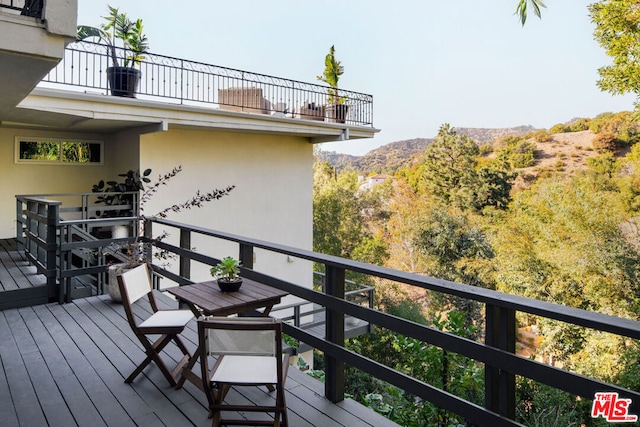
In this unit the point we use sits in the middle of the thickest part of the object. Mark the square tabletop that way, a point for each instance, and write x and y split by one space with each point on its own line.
206 298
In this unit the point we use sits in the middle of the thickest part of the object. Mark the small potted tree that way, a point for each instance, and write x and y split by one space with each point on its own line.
120 31
130 253
226 272
337 109
114 193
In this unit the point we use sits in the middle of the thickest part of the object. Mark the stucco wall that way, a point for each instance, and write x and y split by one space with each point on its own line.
272 200
120 154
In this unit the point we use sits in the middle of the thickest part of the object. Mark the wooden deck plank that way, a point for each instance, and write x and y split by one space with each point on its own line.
24 274
98 348
15 271
80 353
49 394
7 408
7 281
151 385
22 392
66 373
106 405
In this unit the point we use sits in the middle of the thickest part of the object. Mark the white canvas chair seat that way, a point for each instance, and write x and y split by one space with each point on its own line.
134 285
249 353
249 370
167 319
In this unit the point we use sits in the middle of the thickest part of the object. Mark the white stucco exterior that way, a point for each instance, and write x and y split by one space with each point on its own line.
271 201
267 157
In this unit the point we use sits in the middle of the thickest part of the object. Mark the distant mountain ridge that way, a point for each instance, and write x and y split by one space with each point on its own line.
389 157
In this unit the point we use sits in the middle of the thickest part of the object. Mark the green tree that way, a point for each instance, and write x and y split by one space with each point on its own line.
459 251
449 171
341 215
562 241
449 167
604 164
617 31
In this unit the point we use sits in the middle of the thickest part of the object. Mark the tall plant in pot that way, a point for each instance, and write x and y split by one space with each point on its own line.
337 109
113 193
130 253
126 46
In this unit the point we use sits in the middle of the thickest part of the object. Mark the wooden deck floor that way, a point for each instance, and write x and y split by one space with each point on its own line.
15 271
64 365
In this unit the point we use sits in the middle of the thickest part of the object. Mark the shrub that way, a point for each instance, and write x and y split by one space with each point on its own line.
599 121
579 125
486 149
523 155
605 142
559 128
542 136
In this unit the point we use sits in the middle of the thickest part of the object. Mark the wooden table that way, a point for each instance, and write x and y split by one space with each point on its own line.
205 298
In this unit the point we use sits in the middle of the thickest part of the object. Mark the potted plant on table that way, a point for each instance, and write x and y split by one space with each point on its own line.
337 109
120 32
227 274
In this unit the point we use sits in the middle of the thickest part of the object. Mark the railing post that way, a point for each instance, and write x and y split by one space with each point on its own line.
147 230
181 81
51 256
500 385
185 263
64 294
334 384
20 223
246 256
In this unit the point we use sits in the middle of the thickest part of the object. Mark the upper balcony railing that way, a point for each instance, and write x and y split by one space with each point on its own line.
85 65
24 7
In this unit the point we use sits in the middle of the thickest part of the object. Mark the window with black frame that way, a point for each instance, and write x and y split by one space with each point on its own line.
58 151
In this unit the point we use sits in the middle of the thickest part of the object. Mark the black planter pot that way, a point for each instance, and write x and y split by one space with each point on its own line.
123 81
230 286
337 113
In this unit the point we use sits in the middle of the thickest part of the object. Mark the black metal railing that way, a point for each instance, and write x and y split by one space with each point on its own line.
497 353
180 81
69 237
307 315
31 8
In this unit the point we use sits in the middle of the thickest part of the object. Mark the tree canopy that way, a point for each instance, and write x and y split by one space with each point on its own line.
618 32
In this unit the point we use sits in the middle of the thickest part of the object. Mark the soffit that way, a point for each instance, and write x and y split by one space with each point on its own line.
92 112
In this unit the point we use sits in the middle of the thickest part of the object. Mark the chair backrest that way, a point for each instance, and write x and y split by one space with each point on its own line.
245 336
136 283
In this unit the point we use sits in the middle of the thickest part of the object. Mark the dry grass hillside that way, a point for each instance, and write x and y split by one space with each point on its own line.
565 153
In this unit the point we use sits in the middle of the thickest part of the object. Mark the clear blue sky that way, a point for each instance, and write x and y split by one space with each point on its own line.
464 62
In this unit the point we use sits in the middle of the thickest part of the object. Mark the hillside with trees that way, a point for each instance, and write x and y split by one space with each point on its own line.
390 157
547 214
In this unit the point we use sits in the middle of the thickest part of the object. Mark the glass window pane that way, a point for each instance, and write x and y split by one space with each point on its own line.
37 150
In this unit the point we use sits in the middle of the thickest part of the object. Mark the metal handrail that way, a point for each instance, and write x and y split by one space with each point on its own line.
500 361
73 241
31 8
86 65
498 356
361 293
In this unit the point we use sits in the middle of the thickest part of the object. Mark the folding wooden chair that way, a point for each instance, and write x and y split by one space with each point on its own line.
249 353
135 284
